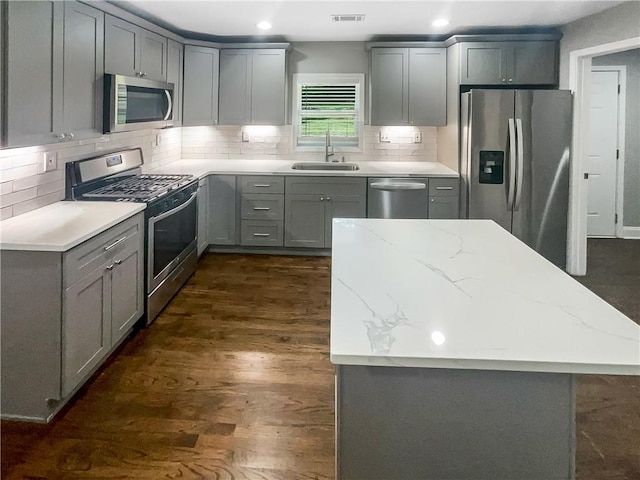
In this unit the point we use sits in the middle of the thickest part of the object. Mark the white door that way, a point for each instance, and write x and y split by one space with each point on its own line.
602 162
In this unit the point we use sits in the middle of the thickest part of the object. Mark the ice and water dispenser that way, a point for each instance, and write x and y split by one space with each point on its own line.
491 167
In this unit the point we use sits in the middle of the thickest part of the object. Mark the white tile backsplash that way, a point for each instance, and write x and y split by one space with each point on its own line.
25 186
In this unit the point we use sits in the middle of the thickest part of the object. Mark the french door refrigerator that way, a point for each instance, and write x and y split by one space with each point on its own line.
515 154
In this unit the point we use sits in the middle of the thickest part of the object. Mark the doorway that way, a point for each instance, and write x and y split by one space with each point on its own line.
605 159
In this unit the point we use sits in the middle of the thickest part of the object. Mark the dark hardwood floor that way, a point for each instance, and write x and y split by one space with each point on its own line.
233 381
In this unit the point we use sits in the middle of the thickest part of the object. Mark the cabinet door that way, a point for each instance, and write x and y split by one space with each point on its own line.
533 63
83 70
121 47
203 215
443 207
222 210
86 326
127 288
268 87
235 87
153 55
428 86
389 86
174 75
483 63
34 72
200 97
304 221
342 206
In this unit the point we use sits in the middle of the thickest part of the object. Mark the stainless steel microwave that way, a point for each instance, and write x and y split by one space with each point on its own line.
134 103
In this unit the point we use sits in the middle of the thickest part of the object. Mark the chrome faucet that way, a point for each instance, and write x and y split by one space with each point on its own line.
328 148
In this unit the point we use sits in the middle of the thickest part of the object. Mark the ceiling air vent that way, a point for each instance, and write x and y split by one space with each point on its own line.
348 18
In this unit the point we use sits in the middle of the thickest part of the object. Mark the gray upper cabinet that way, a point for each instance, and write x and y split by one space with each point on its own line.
222 210
509 63
133 51
65 41
252 86
200 97
175 62
408 86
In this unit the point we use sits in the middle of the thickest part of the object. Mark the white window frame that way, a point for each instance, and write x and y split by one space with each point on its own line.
350 78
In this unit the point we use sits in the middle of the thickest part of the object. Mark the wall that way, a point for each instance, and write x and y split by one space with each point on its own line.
630 59
276 143
25 186
612 25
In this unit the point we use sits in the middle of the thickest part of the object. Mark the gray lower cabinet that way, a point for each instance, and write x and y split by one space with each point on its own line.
134 51
66 40
252 86
261 199
200 97
408 86
509 63
444 198
175 62
222 210
203 215
88 299
311 204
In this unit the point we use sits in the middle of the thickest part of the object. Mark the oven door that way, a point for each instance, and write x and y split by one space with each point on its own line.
171 237
135 103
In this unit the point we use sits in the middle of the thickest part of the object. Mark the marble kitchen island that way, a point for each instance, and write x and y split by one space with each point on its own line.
456 350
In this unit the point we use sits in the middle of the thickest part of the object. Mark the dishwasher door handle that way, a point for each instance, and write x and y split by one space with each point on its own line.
398 186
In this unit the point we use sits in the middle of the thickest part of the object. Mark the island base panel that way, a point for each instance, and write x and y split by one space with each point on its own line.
444 424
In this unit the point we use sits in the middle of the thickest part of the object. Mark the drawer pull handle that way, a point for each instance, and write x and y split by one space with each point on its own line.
262 185
261 208
444 188
109 247
261 234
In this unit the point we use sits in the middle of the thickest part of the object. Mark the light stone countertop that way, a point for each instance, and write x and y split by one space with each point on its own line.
466 294
201 168
63 225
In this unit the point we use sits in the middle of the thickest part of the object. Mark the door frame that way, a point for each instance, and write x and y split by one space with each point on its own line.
579 80
622 99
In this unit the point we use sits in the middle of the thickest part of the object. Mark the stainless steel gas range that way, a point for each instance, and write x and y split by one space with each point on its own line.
170 216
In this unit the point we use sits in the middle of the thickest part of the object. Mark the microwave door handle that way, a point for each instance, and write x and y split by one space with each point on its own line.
520 137
170 106
512 164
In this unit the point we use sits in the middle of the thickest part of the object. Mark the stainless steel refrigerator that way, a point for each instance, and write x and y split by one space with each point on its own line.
515 164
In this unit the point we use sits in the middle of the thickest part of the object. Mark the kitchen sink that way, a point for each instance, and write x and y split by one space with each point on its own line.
325 166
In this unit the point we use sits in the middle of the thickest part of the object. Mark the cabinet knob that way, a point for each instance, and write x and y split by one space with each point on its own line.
144 74
328 199
61 136
118 262
70 135
110 267
511 79
504 79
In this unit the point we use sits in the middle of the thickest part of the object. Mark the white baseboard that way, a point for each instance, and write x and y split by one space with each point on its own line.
631 233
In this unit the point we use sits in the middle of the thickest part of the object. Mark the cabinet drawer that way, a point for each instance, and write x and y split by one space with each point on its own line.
86 257
443 208
261 184
443 187
261 233
326 185
260 206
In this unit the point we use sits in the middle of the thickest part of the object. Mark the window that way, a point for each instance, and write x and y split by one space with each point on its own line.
328 102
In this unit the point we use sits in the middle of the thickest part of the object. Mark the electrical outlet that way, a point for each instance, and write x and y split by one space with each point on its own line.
50 161
245 136
158 139
384 137
417 137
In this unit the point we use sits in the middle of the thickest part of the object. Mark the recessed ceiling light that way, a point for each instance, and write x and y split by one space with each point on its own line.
441 22
264 25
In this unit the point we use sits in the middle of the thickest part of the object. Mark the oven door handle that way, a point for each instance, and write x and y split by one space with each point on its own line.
182 206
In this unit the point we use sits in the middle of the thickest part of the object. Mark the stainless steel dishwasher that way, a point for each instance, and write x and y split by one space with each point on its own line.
398 198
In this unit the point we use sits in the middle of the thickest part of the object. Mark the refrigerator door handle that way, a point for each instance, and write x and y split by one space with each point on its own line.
512 164
520 151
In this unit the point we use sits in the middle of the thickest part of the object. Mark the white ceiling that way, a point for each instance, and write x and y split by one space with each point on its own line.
310 20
